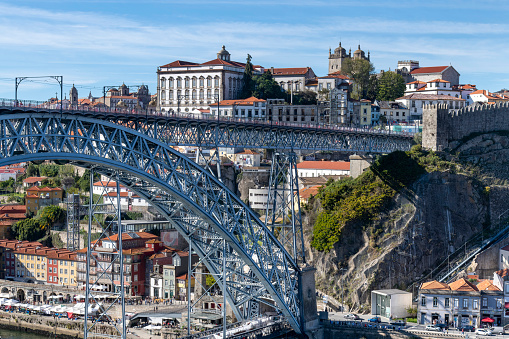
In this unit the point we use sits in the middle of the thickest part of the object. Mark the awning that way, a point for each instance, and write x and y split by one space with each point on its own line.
487 320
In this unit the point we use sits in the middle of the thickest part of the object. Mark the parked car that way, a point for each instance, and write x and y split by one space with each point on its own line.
466 328
398 322
375 320
433 328
483 331
442 326
352 316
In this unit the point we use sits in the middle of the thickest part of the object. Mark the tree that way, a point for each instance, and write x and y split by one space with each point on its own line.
359 70
67 182
247 79
84 181
50 215
209 279
32 170
390 86
265 87
28 229
305 97
372 88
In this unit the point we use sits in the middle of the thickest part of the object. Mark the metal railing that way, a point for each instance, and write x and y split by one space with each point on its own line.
31 105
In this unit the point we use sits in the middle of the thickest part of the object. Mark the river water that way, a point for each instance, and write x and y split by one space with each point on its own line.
6 334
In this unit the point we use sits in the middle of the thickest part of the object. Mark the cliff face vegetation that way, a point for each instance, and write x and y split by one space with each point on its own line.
389 227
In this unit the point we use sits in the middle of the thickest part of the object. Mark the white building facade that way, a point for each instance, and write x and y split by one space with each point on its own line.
310 169
250 108
416 103
187 87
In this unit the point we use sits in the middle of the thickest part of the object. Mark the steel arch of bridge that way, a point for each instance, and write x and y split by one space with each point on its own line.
190 131
258 268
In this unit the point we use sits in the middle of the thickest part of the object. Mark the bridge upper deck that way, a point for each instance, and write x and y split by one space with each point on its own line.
209 131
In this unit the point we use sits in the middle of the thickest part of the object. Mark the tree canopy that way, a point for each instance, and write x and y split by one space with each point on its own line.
390 86
265 87
359 70
28 229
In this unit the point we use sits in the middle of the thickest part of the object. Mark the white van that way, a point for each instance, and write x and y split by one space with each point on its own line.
497 330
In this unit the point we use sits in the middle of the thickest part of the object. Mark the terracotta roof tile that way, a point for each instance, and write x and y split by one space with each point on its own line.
463 285
33 180
434 285
425 70
487 285
240 102
180 63
331 165
290 71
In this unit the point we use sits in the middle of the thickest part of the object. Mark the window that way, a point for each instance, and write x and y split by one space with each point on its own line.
171 82
72 272
202 80
61 270
465 303
435 301
499 303
423 301
447 302
216 82
475 304
484 302
501 258
186 82
456 302
194 82
320 87
209 82
65 280
136 278
179 83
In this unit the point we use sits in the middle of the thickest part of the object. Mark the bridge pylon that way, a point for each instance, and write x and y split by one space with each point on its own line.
105 265
283 215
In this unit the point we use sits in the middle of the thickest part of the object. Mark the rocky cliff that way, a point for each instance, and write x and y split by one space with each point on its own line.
423 222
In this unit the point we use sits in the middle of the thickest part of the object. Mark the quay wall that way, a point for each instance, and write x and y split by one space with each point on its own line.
48 326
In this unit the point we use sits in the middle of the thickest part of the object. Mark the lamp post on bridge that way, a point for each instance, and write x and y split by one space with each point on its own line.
58 78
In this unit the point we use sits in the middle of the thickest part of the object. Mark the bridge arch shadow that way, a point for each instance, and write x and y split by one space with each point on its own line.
200 207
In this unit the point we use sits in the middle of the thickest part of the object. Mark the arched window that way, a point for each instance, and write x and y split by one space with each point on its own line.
230 82
202 94
194 95
179 82
216 92
209 94
202 81
209 82
187 95
163 82
194 82
187 82
216 81
163 95
171 95
171 82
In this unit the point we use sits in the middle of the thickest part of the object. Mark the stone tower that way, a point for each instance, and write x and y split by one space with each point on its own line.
73 96
435 127
336 59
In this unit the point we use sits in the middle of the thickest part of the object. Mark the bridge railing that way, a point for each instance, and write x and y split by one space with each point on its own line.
46 106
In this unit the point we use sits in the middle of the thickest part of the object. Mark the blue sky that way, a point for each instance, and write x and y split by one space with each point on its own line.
107 42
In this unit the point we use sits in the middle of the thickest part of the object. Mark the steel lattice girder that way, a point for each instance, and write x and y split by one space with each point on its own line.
211 133
201 208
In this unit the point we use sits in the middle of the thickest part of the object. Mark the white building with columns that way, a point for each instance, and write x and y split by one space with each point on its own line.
187 87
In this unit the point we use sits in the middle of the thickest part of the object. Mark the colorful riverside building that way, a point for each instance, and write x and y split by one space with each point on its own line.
138 248
32 262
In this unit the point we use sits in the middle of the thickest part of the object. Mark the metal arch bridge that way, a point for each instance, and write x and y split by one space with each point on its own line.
188 130
222 229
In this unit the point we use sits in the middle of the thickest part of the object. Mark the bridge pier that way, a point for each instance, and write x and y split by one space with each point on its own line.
307 292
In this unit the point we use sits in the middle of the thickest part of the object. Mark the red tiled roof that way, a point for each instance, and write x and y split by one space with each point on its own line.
417 82
107 184
420 96
44 189
223 62
241 102
434 285
306 193
332 165
462 285
425 70
33 180
290 71
439 80
13 208
126 236
180 63
503 273
487 285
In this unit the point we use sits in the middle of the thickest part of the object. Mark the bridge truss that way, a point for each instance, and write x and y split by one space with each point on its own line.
216 223
187 130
